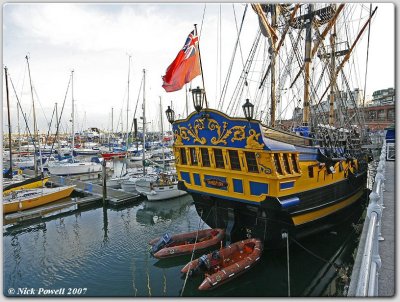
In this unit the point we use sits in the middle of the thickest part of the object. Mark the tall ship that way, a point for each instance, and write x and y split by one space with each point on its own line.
246 172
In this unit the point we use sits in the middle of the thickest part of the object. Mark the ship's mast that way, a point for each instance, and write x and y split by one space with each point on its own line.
273 72
307 63
333 78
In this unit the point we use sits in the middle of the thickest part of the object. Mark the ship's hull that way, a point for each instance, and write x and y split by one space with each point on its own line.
317 210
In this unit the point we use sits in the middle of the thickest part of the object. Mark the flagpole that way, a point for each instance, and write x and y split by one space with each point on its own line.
201 66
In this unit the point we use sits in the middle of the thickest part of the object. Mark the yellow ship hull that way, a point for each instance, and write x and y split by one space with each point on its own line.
37 200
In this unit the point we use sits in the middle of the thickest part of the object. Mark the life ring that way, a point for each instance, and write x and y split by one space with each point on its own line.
172 251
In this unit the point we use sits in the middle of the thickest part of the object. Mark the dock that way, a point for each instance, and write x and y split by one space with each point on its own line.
114 197
386 278
373 271
91 194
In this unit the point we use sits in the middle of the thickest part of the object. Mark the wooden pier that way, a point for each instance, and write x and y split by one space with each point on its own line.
114 197
92 194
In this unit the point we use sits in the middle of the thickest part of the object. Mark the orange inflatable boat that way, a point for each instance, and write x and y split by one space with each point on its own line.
183 244
223 265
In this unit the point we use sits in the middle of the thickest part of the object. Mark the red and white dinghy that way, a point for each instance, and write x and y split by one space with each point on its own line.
183 244
225 264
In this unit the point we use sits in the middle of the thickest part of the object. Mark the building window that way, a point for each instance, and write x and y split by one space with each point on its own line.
381 115
294 164
219 159
251 162
182 151
193 156
205 157
234 159
390 114
286 163
372 115
277 164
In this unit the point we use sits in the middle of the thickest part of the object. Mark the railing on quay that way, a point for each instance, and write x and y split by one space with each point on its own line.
367 283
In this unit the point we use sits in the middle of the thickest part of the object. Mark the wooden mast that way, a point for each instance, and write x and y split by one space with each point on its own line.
307 63
273 72
333 79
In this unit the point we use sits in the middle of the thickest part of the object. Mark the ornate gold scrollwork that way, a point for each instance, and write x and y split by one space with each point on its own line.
178 139
224 133
252 140
193 131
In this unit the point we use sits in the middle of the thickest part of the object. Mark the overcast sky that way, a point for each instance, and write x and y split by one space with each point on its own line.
95 40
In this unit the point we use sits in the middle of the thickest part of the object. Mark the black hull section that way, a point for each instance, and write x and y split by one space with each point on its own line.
269 220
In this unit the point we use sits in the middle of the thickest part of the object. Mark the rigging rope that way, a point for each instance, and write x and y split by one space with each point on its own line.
191 258
237 44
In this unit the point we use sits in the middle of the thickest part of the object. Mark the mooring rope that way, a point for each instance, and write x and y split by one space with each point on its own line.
191 258
285 235
315 255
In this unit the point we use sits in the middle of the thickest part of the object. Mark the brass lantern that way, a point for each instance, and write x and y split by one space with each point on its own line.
248 109
198 98
170 115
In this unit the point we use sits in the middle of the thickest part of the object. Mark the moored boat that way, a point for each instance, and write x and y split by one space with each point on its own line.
223 265
27 199
184 244
255 176
30 183
112 155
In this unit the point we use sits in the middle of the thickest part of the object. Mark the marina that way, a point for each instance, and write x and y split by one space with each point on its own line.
272 176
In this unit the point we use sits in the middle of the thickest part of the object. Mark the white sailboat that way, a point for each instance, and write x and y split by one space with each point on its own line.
71 166
165 186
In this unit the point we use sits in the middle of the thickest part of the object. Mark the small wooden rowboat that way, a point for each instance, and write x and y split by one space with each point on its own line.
222 266
183 244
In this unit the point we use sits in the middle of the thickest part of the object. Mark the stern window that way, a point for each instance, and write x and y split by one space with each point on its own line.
277 164
182 151
286 163
251 162
294 163
205 157
219 159
234 159
193 156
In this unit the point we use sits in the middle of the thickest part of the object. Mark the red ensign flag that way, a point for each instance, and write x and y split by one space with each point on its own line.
185 67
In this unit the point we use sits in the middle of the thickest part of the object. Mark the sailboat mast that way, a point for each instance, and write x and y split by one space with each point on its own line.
34 120
58 141
144 121
273 72
72 115
9 121
307 63
127 105
162 134
333 78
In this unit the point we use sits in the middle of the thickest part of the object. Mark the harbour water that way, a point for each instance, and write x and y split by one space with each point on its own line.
104 252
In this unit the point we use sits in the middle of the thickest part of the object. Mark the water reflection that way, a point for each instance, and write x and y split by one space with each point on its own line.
154 212
107 251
